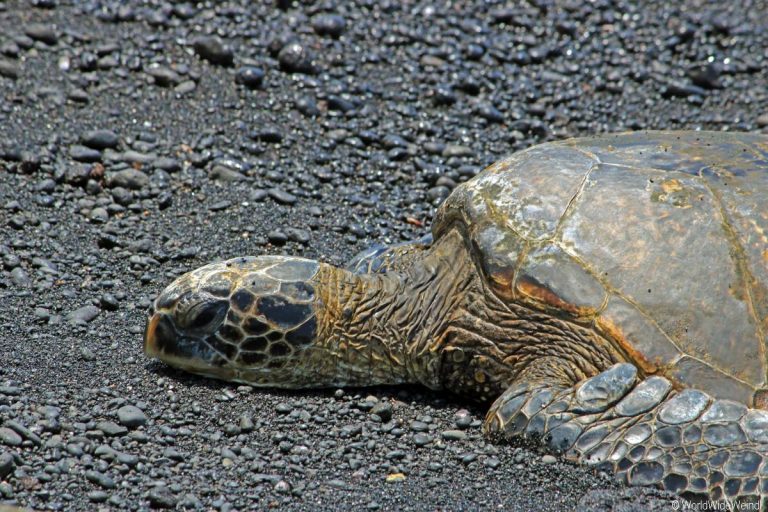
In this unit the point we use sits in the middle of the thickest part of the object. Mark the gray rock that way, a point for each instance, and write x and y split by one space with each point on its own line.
100 139
6 464
84 154
214 50
225 174
454 435
83 315
111 428
685 406
128 178
603 390
281 196
9 69
383 410
161 497
100 479
131 416
646 395
42 32
9 437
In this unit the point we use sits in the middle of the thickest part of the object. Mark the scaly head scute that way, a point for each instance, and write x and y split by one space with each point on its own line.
250 319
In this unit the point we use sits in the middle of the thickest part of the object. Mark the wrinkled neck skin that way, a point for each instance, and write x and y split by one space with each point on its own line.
386 328
436 322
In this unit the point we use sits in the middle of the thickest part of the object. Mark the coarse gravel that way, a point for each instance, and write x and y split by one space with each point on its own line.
141 139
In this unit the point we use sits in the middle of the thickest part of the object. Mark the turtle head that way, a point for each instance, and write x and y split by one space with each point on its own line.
252 319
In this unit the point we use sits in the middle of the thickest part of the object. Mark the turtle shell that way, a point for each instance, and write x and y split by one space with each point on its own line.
659 240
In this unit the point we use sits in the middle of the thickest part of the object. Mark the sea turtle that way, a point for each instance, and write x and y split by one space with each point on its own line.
607 294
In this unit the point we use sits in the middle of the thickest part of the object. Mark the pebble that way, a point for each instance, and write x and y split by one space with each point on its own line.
42 32
100 139
83 315
100 479
10 437
329 25
214 50
382 409
454 435
161 497
463 419
296 58
281 196
7 464
84 154
250 76
130 178
9 69
225 174
111 428
548 459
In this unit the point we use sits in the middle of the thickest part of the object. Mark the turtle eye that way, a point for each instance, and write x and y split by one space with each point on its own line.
205 315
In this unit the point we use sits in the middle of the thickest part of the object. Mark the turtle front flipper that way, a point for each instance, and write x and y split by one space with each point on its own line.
645 432
384 258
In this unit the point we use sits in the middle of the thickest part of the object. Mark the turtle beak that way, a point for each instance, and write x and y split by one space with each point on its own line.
150 336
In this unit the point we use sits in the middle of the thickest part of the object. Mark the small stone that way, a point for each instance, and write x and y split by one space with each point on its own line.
84 154
548 459
225 174
100 479
295 58
161 497
463 419
421 439
393 478
98 496
163 76
277 237
87 354
100 139
99 215
762 120
489 113
7 464
281 196
128 178
111 428
83 315
282 487
10 437
9 69
454 435
42 32
214 50
383 410
250 76
329 25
